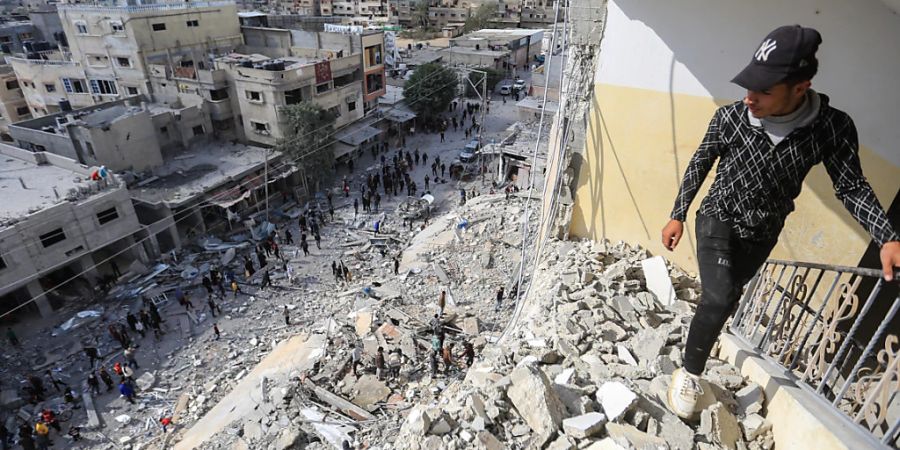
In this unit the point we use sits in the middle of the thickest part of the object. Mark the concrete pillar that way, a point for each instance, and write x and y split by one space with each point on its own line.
87 268
151 247
201 225
176 238
36 291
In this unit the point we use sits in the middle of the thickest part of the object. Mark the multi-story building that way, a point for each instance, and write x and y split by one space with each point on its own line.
508 13
13 107
15 31
112 48
59 228
506 49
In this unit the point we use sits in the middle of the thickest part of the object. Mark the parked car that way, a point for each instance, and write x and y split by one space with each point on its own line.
519 85
506 89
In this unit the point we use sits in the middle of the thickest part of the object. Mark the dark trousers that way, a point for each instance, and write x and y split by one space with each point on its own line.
727 262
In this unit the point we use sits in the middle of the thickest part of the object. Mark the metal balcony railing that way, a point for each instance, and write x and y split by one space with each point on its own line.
808 319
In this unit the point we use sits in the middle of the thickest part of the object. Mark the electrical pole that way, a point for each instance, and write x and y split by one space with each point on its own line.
266 179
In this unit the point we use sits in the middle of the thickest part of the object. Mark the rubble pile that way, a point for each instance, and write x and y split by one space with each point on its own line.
467 253
588 364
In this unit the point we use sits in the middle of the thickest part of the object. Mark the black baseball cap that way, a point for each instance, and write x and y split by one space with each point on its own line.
786 51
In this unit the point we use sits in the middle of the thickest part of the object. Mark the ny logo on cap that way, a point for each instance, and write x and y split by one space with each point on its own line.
764 49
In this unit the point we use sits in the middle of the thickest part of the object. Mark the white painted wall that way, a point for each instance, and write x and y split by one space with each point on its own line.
696 46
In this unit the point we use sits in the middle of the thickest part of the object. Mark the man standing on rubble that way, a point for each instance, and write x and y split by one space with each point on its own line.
127 391
499 299
107 379
248 267
396 266
287 315
379 363
765 145
266 280
213 307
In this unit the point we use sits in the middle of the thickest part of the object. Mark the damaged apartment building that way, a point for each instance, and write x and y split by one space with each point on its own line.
182 179
199 53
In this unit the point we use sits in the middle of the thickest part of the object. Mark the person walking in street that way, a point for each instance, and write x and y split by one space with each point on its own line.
379 363
49 418
213 307
318 238
396 266
765 145
266 280
127 391
165 421
107 379
41 436
248 267
287 315
216 331
11 337
288 237
93 383
305 247
130 358
355 208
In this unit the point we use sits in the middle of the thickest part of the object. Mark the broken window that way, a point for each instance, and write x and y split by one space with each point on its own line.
132 90
335 111
117 27
198 130
373 55
193 23
107 215
12 84
322 88
74 85
81 27
123 61
351 106
293 96
53 237
254 96
50 87
159 27
260 127
374 82
104 87
22 111
218 94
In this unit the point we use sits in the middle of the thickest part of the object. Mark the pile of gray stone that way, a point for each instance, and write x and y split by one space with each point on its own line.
588 364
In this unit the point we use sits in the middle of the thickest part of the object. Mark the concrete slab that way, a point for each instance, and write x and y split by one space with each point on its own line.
295 354
658 282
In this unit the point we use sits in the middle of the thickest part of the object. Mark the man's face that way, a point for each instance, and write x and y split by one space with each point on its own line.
778 100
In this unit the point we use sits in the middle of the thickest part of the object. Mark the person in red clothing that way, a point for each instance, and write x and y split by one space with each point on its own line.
165 422
117 368
50 419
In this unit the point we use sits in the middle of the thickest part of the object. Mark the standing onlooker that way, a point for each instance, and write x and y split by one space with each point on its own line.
379 363
216 330
127 391
287 315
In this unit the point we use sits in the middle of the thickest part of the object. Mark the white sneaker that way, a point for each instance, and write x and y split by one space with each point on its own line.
684 392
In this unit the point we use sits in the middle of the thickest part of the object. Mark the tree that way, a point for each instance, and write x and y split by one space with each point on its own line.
430 90
308 139
494 76
480 18
420 14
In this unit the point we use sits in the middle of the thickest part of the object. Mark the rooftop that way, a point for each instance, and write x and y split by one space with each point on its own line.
499 34
120 6
203 168
258 61
27 187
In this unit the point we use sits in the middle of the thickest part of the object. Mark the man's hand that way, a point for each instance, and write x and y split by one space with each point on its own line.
671 235
890 258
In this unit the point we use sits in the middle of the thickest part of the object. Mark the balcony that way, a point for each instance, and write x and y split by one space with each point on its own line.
824 341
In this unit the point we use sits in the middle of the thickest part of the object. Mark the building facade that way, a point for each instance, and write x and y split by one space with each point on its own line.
60 230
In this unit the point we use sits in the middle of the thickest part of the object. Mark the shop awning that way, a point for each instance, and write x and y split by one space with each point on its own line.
341 149
399 115
357 134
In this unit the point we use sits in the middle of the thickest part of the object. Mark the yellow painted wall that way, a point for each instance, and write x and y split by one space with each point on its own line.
639 142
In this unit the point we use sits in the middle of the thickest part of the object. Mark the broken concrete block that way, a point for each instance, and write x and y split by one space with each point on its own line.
441 426
561 443
615 398
630 437
363 323
565 376
418 421
750 399
146 381
487 441
612 332
470 326
647 344
290 438
675 432
720 426
371 391
625 356
754 425
658 282
585 425
536 401
605 444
